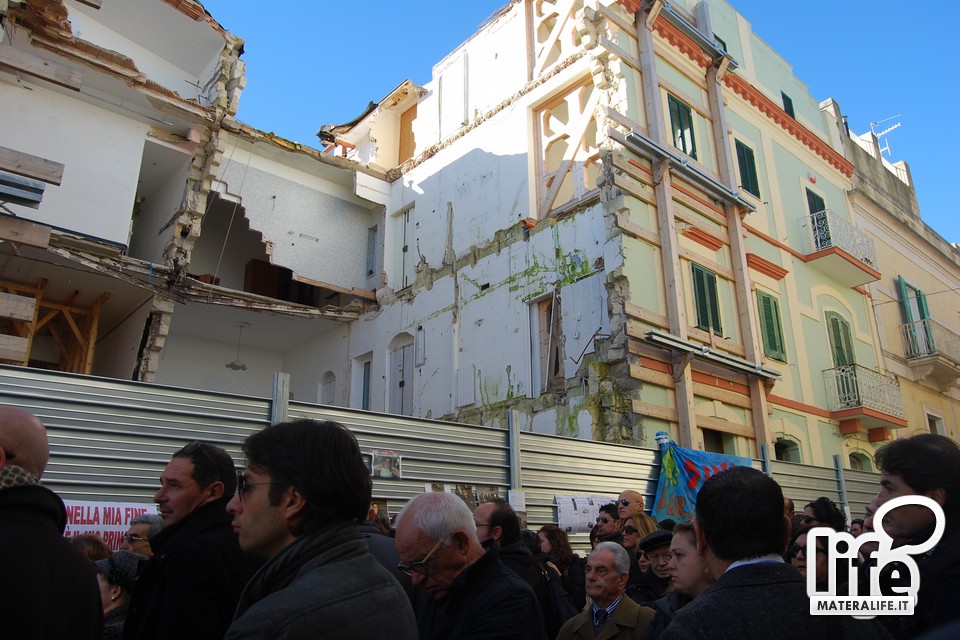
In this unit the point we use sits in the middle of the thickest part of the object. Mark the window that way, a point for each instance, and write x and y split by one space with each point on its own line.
400 399
819 222
405 249
360 381
788 105
860 462
771 328
548 343
371 250
681 125
916 329
748 169
841 341
706 300
935 424
787 450
328 383
712 441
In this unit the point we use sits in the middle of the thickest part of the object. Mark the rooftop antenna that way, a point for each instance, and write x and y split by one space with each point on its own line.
885 147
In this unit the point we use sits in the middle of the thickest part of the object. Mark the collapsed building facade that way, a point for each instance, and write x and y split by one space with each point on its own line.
602 219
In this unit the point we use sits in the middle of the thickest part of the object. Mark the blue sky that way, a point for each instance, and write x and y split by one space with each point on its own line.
311 63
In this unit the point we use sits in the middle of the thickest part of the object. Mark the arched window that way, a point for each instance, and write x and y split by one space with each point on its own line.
328 386
400 375
787 450
860 462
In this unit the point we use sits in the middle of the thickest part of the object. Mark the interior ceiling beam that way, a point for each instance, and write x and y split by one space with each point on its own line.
33 65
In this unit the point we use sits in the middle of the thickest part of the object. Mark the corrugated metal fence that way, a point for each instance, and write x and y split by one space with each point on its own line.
110 439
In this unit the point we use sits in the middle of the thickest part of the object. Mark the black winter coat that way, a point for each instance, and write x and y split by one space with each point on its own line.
486 601
48 590
190 587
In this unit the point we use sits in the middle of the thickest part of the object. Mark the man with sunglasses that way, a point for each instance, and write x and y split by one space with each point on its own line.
461 590
629 504
190 587
608 524
299 500
49 590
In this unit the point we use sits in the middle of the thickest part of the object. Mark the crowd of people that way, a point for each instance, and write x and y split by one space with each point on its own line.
293 547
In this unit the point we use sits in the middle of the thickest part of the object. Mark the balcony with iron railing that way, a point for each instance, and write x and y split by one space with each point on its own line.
839 248
864 400
932 351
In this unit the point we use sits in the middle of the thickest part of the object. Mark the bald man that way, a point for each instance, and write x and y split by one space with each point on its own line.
629 504
48 588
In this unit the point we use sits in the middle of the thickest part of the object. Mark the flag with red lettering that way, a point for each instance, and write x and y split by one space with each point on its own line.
682 473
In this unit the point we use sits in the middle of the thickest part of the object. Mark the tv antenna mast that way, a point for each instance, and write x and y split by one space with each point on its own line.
885 145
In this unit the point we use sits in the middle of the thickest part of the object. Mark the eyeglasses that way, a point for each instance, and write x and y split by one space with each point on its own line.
809 520
604 520
629 531
481 524
624 502
420 567
243 485
659 557
130 538
796 550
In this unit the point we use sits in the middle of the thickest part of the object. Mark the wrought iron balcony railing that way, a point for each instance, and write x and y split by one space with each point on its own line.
853 387
927 337
826 230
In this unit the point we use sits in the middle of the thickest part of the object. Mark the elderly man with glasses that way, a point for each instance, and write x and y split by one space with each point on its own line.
299 500
460 589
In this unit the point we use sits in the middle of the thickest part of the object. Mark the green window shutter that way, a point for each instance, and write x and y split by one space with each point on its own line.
841 340
706 300
748 169
681 126
815 202
788 105
771 328
904 299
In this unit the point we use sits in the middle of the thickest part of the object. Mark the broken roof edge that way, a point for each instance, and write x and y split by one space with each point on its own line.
330 132
195 10
252 134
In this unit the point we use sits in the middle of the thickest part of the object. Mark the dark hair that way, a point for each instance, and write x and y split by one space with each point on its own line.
505 517
322 461
561 553
531 541
594 534
211 464
611 510
740 512
826 510
686 528
91 546
925 462
667 524
842 569
858 521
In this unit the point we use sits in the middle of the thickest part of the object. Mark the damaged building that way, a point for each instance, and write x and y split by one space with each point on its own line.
599 218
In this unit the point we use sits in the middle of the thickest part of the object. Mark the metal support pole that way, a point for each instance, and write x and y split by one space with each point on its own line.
515 480
281 397
765 465
841 484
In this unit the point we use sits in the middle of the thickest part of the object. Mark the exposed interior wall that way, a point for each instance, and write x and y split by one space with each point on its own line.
151 226
116 355
307 363
196 363
100 151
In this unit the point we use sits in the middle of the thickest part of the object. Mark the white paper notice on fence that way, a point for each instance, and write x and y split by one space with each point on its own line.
109 520
578 514
517 500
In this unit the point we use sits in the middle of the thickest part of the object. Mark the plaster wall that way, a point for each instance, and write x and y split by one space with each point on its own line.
307 363
197 363
315 233
148 238
100 151
207 48
117 347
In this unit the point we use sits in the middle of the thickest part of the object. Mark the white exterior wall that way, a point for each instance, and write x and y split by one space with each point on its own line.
100 151
147 237
307 363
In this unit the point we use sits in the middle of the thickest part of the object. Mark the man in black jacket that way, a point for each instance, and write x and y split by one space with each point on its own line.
460 590
48 591
191 585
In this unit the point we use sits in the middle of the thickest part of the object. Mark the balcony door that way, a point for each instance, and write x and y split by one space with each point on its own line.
841 350
915 315
819 224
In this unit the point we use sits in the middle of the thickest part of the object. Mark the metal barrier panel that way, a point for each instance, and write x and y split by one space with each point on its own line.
110 439
804 483
554 465
432 451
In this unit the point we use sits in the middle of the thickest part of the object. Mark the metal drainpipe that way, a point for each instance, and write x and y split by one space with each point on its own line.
765 459
841 484
281 397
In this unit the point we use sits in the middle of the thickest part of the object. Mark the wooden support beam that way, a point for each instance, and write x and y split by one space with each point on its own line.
24 232
28 166
13 348
33 65
17 307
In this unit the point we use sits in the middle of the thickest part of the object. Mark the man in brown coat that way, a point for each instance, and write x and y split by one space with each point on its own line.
612 615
